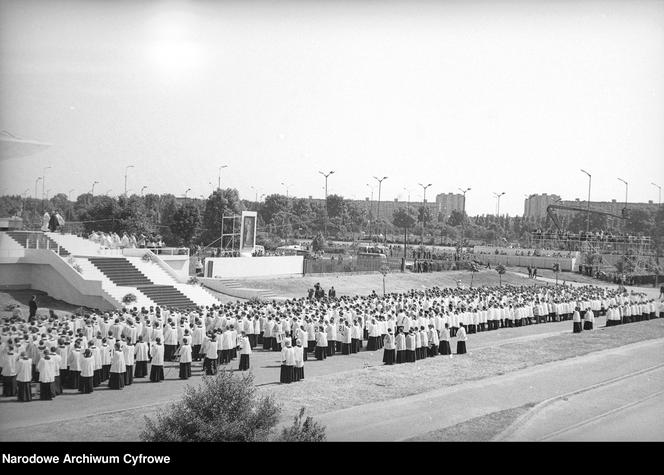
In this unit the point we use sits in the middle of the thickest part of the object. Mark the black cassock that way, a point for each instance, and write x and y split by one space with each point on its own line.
53 223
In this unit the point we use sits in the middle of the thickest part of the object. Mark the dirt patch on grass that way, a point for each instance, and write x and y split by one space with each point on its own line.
479 429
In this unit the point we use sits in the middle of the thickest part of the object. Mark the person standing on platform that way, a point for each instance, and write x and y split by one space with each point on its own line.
33 308
461 340
24 377
245 352
185 359
389 348
87 372
157 366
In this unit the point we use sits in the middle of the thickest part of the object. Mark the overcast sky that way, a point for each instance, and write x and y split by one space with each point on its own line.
497 96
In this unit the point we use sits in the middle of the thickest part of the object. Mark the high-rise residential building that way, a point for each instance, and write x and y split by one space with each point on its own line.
448 202
535 205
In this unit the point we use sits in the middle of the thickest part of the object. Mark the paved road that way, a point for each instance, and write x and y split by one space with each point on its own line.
408 417
642 422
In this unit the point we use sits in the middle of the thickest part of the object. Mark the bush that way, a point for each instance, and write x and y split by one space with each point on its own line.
222 409
192 281
147 257
129 298
307 431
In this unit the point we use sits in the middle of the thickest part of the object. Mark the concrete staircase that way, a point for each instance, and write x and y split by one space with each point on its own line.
37 240
123 273
79 246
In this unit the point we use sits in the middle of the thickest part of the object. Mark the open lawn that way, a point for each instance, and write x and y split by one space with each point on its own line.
364 284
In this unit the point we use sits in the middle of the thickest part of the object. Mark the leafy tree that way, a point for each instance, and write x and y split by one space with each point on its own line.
424 215
639 222
318 243
456 218
578 222
336 206
185 224
222 202
101 215
274 204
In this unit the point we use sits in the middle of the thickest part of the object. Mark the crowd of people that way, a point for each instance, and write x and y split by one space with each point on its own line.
600 236
82 351
127 241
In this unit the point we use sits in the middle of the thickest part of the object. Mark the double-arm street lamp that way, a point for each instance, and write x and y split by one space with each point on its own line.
463 217
424 208
219 180
498 195
126 171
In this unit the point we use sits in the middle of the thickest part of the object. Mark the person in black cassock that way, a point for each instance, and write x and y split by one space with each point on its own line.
33 306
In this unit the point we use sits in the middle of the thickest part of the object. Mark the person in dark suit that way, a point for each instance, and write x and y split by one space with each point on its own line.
33 306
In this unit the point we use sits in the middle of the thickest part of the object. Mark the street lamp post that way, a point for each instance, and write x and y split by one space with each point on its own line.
126 170
498 195
588 216
185 194
69 194
326 175
37 181
92 192
108 191
424 208
463 217
370 210
380 185
625 209
219 180
47 193
143 188
284 184
408 191
43 185
659 201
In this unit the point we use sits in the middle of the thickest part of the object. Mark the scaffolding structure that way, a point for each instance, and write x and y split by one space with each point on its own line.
230 233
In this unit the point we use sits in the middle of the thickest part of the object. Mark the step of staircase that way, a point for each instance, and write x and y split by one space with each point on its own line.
29 240
166 296
120 271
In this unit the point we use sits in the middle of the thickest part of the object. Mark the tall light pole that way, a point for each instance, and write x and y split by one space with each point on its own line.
185 194
370 210
25 195
625 209
407 191
588 216
219 180
92 192
380 185
143 188
43 185
69 194
256 190
126 170
498 195
463 216
326 175
284 184
659 201
108 191
424 208
47 193
37 181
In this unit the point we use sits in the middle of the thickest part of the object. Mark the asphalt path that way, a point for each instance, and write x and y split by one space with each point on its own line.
434 410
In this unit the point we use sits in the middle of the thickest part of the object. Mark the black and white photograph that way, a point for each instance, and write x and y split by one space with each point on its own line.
330 221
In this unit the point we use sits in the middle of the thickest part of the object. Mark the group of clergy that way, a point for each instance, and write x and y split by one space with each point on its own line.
82 351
